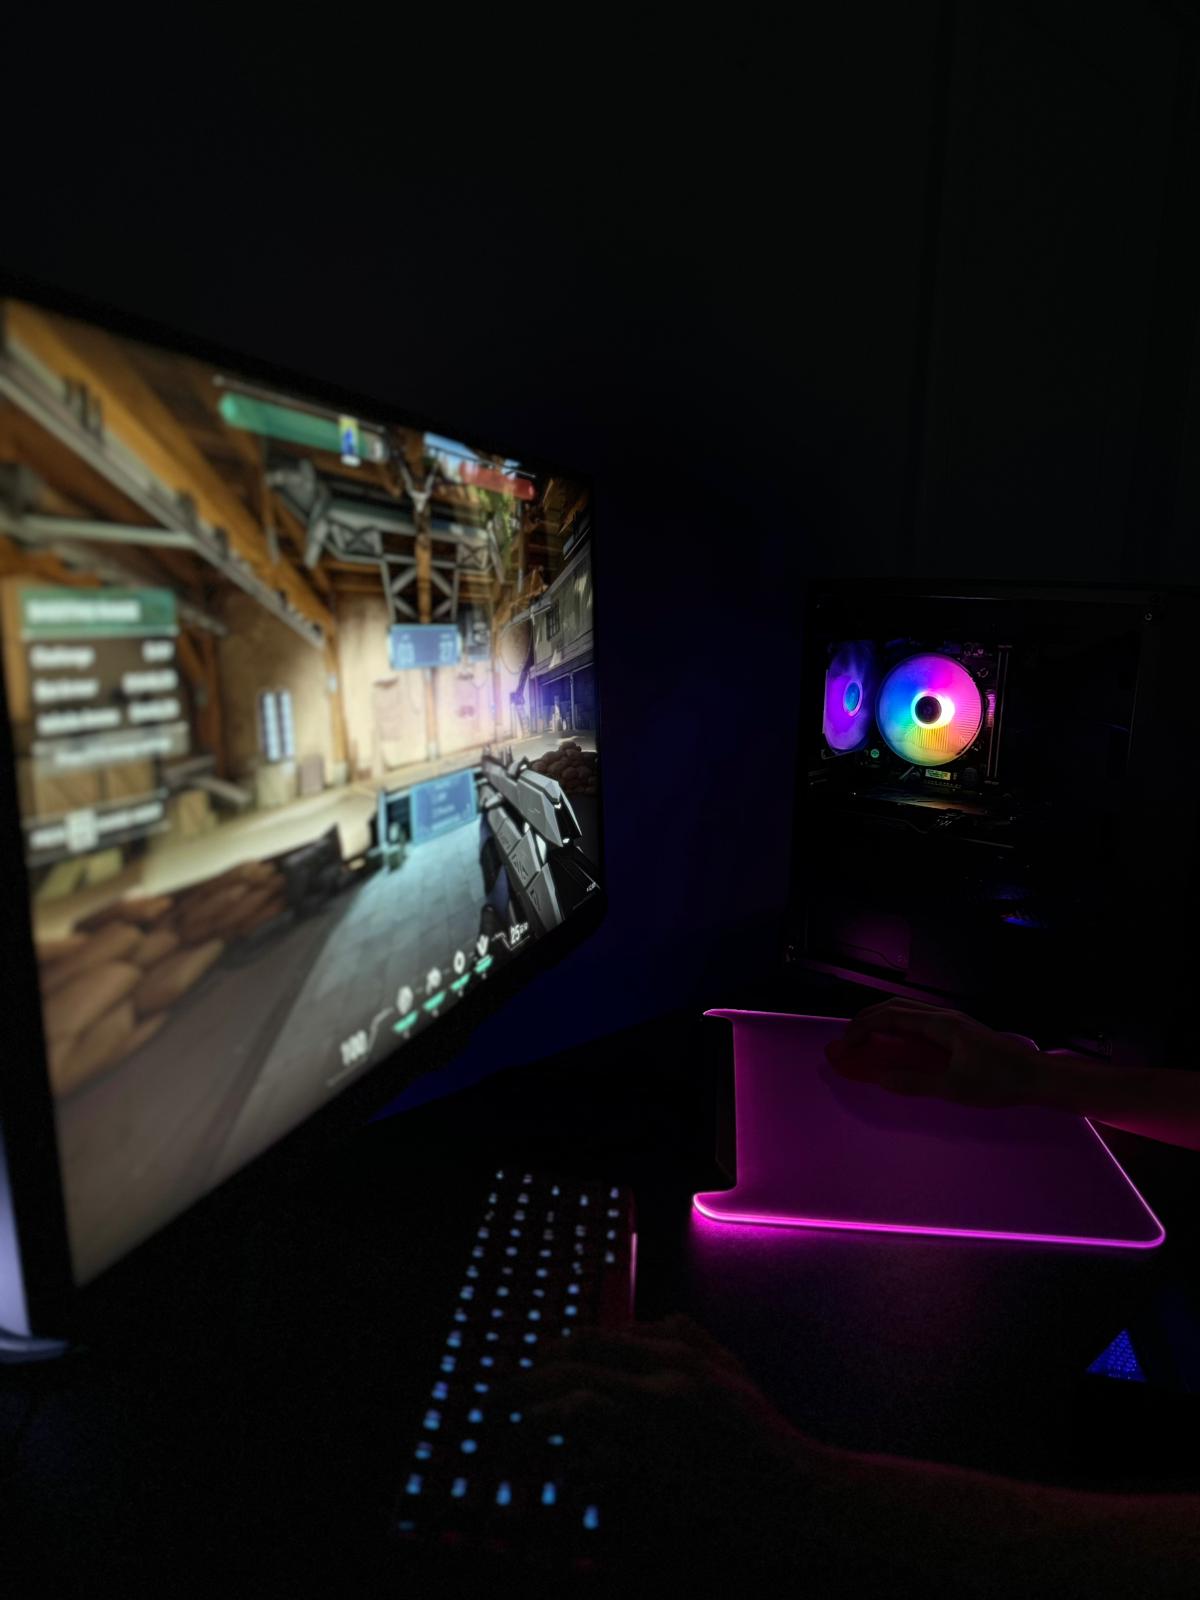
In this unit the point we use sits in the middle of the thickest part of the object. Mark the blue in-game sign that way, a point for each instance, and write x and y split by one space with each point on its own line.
424 644
442 804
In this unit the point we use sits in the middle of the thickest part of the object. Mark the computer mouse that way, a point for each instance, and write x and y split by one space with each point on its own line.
890 1052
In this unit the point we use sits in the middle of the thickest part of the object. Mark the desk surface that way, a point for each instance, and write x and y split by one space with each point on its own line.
243 1385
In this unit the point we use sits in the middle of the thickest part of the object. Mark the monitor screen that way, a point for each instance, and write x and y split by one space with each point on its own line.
303 710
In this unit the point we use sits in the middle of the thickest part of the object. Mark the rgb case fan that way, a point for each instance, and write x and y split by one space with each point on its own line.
849 695
929 710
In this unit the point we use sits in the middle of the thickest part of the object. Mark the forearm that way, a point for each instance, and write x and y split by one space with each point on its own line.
889 1526
1155 1102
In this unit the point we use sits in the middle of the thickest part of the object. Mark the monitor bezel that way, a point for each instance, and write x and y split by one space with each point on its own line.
56 1304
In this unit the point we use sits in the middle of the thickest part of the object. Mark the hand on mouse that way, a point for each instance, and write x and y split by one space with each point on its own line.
916 1049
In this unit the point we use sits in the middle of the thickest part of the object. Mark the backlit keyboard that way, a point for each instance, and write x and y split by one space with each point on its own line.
549 1256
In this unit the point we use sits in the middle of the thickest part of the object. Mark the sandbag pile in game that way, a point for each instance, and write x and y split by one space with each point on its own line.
576 769
110 984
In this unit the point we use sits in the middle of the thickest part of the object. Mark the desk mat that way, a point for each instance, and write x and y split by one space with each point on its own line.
815 1150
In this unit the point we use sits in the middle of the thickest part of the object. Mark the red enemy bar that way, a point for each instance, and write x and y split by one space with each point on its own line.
481 477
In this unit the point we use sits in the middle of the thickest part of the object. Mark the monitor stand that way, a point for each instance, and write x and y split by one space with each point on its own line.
815 1150
18 1348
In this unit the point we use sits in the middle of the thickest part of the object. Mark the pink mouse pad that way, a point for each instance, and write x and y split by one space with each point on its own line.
816 1150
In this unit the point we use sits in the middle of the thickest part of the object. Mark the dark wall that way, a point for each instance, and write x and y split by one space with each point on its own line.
1063 294
885 289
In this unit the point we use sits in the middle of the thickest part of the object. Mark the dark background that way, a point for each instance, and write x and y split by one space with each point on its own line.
894 288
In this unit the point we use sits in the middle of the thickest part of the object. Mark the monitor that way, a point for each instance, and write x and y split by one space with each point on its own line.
303 764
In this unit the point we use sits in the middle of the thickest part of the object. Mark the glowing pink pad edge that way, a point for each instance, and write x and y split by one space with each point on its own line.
712 1204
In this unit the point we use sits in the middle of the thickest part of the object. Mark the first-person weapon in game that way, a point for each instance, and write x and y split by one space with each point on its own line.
531 830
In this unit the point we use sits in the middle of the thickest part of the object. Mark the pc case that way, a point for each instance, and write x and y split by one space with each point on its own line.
1011 826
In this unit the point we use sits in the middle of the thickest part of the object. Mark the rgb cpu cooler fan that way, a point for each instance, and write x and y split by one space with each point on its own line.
849 694
929 710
